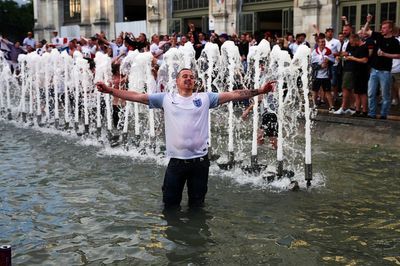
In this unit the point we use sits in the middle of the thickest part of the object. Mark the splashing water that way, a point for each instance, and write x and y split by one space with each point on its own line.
61 87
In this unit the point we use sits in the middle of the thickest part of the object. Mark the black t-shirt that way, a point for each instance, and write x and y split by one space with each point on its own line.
387 45
243 48
349 64
360 68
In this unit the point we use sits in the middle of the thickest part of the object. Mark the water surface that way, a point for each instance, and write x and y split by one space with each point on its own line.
64 203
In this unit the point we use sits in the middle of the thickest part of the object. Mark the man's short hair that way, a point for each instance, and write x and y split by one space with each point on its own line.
321 36
183 69
388 22
354 37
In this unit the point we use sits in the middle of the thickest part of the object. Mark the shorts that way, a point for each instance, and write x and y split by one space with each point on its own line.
347 82
360 83
324 83
270 124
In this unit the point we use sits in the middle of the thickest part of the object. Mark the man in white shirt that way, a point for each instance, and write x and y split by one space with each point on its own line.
186 129
56 41
321 59
118 48
155 49
334 45
29 41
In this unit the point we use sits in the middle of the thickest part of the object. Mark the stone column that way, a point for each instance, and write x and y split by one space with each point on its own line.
101 22
38 18
223 13
85 25
153 17
307 14
57 13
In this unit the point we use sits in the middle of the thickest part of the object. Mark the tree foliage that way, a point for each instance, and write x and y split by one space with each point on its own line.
15 20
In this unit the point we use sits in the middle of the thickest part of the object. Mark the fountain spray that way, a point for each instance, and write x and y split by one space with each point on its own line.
24 84
207 62
302 55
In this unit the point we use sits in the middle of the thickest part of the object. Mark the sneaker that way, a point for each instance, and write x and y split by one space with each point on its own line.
371 116
348 111
340 111
357 114
383 117
331 110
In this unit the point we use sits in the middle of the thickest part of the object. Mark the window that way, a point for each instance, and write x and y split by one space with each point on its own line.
287 21
356 12
388 11
174 25
246 23
253 1
178 5
350 13
72 10
365 10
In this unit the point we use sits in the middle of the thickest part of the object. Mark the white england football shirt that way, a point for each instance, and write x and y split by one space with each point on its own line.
186 122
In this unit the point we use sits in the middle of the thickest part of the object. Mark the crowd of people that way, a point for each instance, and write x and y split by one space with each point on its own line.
363 66
360 68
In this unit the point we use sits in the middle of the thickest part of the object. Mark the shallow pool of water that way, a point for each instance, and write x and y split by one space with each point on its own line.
64 203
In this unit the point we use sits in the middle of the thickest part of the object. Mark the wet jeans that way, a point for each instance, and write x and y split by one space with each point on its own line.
179 171
383 79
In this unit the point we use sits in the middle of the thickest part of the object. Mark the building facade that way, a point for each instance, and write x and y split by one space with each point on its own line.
86 17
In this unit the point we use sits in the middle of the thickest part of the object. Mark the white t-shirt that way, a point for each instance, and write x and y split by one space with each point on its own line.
57 42
118 49
155 50
88 51
31 42
396 62
334 46
186 122
345 43
319 57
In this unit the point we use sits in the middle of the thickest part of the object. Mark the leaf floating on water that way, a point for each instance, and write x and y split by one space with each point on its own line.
154 245
315 230
334 258
396 260
299 243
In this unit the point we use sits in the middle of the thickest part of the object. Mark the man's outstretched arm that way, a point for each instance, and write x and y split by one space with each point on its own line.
238 95
132 96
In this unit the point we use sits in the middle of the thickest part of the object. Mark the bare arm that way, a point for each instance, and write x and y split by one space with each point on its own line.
362 60
132 96
316 28
100 37
366 29
345 21
393 56
238 95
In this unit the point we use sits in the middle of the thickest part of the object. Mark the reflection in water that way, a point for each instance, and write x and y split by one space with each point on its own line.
190 232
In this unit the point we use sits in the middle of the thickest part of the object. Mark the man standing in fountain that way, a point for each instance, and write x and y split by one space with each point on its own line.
186 129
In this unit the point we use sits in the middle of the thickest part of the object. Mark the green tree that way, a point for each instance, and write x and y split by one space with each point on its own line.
15 20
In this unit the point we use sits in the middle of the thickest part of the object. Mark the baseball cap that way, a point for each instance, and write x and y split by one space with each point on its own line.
330 28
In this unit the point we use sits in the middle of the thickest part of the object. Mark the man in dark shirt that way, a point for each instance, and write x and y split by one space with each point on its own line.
360 72
386 49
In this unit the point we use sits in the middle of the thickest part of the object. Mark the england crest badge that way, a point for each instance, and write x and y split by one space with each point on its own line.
197 102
